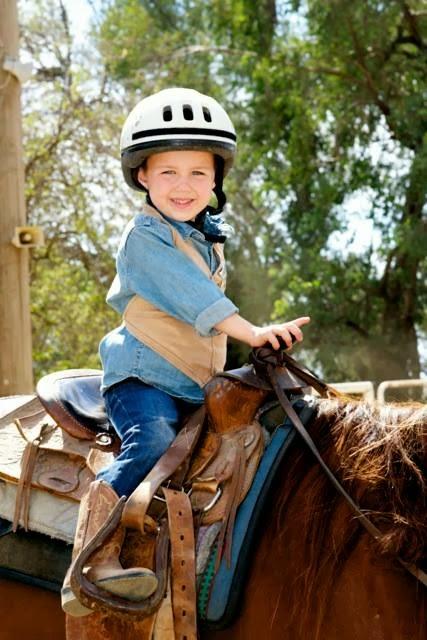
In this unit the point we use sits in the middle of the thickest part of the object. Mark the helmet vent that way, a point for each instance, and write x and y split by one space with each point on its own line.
187 112
207 114
167 114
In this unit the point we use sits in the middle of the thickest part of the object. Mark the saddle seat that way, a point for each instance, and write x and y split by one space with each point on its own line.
73 399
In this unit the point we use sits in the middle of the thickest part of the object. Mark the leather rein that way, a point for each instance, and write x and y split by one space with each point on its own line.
273 363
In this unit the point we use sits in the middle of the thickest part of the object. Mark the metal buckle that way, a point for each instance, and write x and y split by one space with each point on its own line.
160 499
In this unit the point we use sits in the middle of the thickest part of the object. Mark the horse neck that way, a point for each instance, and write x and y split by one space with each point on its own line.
324 562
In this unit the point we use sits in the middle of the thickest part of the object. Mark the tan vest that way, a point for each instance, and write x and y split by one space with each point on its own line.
197 356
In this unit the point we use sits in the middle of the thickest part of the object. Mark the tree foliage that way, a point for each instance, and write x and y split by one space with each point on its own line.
327 99
70 121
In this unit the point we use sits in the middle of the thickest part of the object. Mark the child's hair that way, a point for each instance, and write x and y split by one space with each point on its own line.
178 119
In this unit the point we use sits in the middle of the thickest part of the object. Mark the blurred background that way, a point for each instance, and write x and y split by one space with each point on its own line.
328 195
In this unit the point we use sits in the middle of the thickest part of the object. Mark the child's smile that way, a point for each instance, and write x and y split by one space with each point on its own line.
182 203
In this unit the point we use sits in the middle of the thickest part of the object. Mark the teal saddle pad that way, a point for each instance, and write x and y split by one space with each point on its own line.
220 594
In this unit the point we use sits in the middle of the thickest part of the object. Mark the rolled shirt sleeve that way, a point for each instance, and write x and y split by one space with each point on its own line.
216 312
149 265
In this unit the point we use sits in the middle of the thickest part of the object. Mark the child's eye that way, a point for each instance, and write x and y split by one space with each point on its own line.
168 172
198 173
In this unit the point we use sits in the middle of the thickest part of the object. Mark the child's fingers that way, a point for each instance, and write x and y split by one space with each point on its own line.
291 332
286 335
274 341
301 321
295 331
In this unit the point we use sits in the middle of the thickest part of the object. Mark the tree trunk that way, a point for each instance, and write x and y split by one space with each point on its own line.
400 280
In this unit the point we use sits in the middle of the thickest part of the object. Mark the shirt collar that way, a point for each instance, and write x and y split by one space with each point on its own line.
185 229
211 226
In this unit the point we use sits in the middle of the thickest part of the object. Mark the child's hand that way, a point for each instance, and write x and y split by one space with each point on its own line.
289 331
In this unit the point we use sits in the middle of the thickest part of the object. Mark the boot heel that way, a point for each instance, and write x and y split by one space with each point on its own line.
105 569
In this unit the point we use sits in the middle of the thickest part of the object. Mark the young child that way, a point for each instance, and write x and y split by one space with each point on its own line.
177 146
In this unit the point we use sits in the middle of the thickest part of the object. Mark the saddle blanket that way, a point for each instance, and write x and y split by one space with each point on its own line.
49 514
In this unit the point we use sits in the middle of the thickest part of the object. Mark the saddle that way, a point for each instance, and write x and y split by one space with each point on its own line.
201 485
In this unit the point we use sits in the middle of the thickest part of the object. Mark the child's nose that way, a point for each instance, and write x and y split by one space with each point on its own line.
183 182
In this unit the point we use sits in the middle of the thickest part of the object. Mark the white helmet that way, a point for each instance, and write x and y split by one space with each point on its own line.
175 119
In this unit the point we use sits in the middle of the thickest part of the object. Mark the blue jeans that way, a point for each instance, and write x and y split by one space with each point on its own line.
146 419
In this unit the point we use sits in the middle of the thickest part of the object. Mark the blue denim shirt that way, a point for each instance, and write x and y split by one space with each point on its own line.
149 265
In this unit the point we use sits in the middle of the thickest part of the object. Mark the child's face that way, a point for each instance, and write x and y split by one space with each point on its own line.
180 183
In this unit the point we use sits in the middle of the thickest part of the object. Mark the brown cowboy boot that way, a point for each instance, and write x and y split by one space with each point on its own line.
105 569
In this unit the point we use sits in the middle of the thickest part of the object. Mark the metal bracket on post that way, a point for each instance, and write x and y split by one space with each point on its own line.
28 237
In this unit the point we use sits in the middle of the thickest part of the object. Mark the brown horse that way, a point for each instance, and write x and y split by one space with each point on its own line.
316 574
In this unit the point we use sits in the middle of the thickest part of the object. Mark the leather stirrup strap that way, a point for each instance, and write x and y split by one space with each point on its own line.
28 463
137 504
226 532
183 564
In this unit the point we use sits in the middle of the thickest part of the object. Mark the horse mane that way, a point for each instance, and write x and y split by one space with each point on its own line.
382 450
378 452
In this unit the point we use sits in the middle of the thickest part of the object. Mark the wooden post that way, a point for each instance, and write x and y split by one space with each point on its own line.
15 324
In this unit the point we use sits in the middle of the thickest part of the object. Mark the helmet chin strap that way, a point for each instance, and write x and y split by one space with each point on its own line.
218 191
221 201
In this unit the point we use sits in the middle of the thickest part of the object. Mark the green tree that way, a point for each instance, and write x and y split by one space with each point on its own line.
338 109
370 59
326 110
